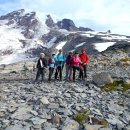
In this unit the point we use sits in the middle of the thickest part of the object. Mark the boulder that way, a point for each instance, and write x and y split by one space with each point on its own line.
102 78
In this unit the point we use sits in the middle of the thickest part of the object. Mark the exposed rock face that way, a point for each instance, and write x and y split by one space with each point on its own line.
49 22
84 29
125 46
74 41
13 15
102 78
67 24
26 21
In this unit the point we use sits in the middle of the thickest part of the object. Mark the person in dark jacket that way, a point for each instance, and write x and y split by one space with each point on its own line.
51 62
69 66
41 65
84 59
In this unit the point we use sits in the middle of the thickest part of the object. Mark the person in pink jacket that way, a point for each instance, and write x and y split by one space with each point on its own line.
77 65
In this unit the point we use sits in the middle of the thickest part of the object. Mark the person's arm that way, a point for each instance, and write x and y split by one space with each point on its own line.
37 64
45 63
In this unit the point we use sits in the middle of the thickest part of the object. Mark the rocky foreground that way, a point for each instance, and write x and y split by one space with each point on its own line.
63 105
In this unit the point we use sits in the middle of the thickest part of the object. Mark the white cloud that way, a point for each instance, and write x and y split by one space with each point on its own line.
99 15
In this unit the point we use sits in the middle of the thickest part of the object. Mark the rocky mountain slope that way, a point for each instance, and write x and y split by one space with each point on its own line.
24 35
63 105
102 102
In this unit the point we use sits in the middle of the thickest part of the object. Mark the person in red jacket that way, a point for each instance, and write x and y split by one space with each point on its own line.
84 59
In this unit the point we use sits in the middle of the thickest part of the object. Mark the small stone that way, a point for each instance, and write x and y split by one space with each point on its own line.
44 100
50 129
2 114
128 127
92 127
56 120
104 129
70 125
127 81
37 120
36 127
33 112
67 95
12 109
53 106
83 95
15 127
78 90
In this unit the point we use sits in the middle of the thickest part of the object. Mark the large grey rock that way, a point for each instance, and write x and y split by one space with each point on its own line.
102 78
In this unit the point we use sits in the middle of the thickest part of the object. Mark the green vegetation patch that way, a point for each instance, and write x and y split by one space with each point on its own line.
126 59
115 86
82 116
104 123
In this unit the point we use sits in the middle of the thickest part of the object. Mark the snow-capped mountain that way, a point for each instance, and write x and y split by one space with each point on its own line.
23 35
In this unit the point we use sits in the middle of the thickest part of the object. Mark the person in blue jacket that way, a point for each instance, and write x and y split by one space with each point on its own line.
51 62
60 60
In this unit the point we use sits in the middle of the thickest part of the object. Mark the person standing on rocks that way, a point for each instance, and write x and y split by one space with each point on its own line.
84 59
51 62
41 65
77 65
60 60
69 66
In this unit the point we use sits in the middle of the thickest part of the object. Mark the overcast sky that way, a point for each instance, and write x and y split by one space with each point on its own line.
99 15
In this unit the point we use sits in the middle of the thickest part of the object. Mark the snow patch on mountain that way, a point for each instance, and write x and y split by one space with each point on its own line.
103 46
51 42
81 44
13 58
3 22
88 35
114 37
60 45
10 38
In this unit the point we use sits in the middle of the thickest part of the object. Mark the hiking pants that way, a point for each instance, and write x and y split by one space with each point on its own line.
69 72
58 72
40 72
51 70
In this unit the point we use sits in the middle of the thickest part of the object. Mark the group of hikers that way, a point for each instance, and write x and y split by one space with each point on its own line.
73 62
